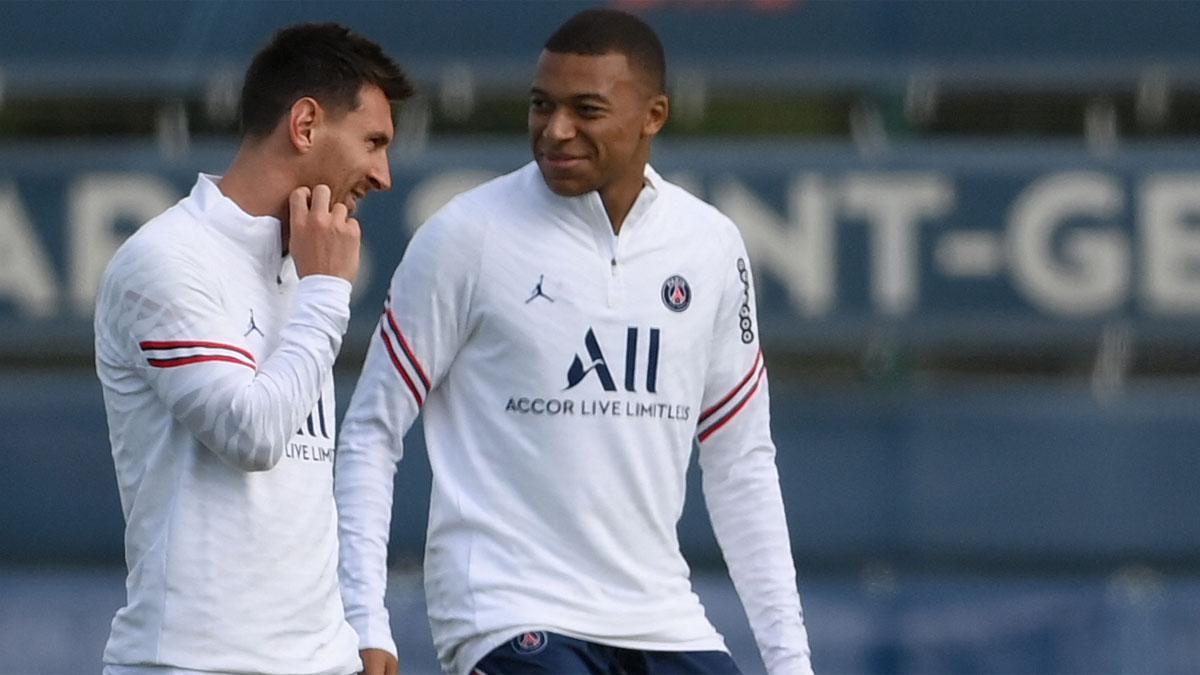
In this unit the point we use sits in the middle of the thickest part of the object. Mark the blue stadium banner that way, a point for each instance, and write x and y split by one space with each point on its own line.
981 241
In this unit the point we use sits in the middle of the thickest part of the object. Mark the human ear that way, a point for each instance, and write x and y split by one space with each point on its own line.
302 122
657 113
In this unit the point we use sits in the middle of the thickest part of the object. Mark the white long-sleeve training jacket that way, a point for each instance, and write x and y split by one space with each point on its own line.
216 367
565 373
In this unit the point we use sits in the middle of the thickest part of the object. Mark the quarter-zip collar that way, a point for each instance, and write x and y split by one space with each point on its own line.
589 208
587 212
261 237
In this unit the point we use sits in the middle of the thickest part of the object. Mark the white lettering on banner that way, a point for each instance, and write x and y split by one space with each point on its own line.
799 250
1065 247
893 205
97 203
1093 274
26 276
969 253
1169 216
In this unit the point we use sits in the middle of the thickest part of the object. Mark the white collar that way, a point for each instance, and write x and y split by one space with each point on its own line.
259 236
590 208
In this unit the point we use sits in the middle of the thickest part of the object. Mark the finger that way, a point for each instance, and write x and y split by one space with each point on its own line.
339 212
320 198
353 226
298 202
380 666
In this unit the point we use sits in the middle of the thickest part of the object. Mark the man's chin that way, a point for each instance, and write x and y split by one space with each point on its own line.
566 186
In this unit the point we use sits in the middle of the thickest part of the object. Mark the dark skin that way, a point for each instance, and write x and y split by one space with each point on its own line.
591 123
379 662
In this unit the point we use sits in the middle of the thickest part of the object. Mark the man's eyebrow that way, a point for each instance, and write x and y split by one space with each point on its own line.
582 97
587 95
590 96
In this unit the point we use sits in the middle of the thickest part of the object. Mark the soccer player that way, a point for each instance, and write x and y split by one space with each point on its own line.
217 325
570 329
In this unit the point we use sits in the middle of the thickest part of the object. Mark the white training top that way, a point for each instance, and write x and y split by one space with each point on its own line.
565 373
216 365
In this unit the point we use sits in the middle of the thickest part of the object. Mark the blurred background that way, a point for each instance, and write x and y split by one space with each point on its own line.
976 230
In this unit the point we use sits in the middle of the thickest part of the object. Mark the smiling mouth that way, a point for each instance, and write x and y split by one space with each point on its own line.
559 161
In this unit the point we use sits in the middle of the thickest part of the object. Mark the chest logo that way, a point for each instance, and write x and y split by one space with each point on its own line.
538 292
315 424
597 364
252 327
676 294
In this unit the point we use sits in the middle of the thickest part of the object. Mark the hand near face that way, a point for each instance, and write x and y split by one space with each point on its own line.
323 238
379 662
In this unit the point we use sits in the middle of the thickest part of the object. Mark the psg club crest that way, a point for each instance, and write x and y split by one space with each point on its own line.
529 643
676 294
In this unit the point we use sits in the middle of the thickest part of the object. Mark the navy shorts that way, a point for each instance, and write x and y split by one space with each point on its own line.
554 654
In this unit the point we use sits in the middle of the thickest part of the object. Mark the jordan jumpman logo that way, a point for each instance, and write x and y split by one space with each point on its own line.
537 291
253 327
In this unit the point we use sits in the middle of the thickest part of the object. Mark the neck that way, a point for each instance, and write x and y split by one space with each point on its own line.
259 186
618 199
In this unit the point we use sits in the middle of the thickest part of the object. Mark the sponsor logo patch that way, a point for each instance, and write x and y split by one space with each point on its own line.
529 643
676 294
744 321
578 371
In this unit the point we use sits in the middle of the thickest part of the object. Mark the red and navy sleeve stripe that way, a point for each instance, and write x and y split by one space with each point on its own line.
733 402
176 353
402 356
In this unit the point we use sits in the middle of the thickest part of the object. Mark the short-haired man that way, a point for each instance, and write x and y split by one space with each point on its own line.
217 325
570 329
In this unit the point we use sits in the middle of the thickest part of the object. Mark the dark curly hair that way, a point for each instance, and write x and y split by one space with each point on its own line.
595 32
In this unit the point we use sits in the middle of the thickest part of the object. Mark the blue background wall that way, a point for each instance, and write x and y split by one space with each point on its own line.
1030 509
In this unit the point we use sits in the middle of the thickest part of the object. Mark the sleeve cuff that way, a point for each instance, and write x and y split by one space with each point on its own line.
374 632
324 301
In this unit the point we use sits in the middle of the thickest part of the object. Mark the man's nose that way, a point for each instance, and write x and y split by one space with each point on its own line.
381 174
559 127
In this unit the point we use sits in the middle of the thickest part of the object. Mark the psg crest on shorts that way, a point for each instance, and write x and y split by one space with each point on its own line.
529 643
676 294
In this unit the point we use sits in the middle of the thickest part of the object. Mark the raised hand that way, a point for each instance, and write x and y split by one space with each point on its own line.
323 239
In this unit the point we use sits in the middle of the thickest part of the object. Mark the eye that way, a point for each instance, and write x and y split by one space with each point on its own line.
539 104
587 110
